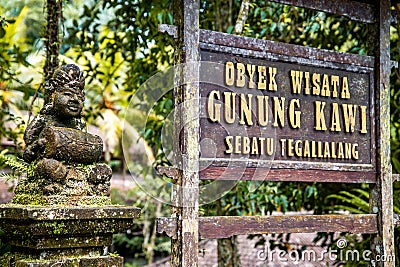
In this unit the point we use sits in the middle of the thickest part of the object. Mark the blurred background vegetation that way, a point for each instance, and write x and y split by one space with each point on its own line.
117 44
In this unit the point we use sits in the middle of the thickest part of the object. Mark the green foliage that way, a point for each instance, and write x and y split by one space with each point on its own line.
356 201
248 199
305 27
19 166
13 92
395 101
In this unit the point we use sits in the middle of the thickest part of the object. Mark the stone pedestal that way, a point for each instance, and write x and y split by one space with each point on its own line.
63 236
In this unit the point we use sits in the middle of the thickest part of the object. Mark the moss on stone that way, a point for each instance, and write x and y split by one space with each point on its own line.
29 199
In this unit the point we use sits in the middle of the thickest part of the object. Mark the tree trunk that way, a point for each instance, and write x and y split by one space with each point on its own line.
242 17
223 18
228 254
52 40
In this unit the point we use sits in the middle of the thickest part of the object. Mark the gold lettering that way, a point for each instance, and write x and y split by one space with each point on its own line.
294 116
335 122
335 84
320 155
306 149
345 89
241 78
279 105
246 145
261 145
228 141
349 113
213 109
237 144
363 119
298 148
320 124
270 146
262 84
251 69
245 110
325 91
272 83
307 85
355 151
340 151
229 73
313 152
230 106
347 150
316 78
297 77
283 144
290 147
263 110
254 146
327 153
333 155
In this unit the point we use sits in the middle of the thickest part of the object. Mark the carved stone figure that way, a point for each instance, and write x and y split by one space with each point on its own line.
63 155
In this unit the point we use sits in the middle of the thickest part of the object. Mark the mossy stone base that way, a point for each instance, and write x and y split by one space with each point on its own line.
73 236
41 200
106 261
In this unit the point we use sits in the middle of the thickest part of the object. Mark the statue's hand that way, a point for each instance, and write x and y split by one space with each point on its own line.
33 150
29 155
41 143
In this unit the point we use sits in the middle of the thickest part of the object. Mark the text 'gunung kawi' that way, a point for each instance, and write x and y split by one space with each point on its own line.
313 101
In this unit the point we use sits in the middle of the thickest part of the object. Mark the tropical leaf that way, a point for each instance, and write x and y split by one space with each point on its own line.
356 203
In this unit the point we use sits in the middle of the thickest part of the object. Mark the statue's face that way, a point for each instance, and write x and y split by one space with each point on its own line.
68 102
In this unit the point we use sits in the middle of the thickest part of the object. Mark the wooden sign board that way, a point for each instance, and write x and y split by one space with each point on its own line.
275 116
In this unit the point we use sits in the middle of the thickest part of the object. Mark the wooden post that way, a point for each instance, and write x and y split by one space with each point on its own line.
382 195
185 196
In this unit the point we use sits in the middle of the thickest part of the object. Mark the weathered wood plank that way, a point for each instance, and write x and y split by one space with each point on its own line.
283 164
226 226
352 9
267 46
287 175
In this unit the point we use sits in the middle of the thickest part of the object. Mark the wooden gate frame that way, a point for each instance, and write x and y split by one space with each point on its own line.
185 226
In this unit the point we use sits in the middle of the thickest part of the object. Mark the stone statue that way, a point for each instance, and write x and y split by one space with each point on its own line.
63 155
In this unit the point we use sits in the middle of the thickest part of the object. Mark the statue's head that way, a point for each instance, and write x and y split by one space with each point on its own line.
67 91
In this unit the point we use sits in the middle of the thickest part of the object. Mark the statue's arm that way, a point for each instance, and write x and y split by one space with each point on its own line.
31 138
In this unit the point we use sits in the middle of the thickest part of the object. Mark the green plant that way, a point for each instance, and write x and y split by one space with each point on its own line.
355 201
18 165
